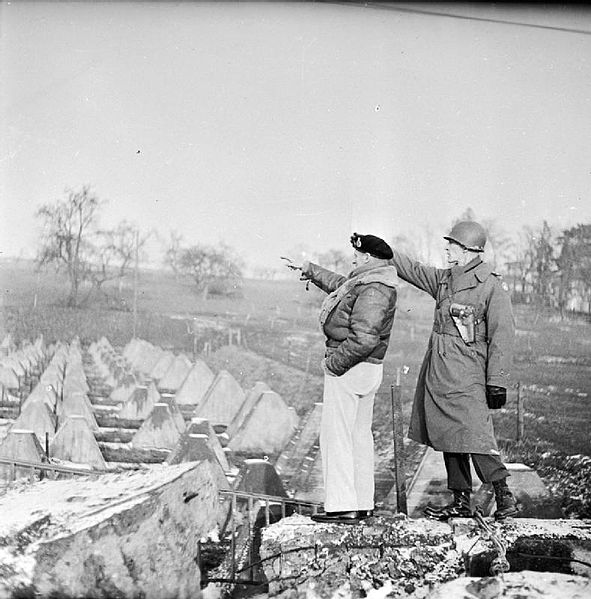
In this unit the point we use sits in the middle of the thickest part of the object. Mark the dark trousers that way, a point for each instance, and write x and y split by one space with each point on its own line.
489 468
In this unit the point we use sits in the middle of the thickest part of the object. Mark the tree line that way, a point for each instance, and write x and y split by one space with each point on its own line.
73 243
541 265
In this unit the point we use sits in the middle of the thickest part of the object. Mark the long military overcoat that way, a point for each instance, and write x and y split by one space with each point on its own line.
449 411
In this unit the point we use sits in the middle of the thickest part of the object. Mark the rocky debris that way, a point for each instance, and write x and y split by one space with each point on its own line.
408 554
390 555
121 535
516 585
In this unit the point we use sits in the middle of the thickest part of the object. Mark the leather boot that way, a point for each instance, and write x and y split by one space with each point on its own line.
506 503
458 508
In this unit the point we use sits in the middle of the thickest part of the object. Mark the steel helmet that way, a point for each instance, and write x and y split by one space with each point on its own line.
468 234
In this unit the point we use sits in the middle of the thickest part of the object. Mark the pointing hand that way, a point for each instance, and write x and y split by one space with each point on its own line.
289 263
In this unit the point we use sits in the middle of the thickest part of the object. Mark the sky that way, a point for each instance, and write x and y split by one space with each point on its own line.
270 126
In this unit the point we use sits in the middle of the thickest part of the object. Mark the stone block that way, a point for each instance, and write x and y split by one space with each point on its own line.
159 430
267 426
222 400
175 375
125 535
21 445
37 417
259 476
161 366
195 385
75 442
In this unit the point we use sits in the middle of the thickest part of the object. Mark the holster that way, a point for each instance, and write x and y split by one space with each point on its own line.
463 317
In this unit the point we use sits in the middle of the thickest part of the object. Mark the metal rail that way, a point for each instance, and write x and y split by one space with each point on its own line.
245 535
43 467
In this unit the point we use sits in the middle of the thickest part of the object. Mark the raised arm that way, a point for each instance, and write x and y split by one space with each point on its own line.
412 271
325 279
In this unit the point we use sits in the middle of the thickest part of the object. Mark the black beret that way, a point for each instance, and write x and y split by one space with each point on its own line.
370 244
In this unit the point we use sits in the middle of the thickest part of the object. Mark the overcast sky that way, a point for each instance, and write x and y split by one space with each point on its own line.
268 125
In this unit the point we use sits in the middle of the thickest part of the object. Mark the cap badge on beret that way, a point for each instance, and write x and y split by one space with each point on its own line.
370 244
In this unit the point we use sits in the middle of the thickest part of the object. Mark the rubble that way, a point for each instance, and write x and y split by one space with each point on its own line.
414 558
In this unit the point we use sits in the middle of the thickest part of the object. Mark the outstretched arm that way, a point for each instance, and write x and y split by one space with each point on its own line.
417 274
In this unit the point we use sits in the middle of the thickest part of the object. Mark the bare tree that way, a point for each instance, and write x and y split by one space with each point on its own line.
66 240
544 263
574 263
114 254
173 253
211 267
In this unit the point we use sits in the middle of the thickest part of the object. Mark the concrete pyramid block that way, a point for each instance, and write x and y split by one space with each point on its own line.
141 403
195 385
267 427
105 344
22 445
43 392
15 364
259 476
7 346
174 410
194 448
124 390
158 431
25 360
76 404
37 417
252 396
147 358
222 400
73 384
300 443
202 426
75 442
131 350
8 377
53 375
162 365
175 375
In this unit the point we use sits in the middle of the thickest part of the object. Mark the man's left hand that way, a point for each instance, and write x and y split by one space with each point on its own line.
496 397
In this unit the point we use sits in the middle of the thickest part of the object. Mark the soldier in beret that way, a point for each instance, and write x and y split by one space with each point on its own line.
356 318
465 372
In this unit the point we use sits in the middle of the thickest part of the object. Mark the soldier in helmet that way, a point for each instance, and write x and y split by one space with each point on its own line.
465 371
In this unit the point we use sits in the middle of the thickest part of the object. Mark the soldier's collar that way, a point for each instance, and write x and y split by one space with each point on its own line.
474 263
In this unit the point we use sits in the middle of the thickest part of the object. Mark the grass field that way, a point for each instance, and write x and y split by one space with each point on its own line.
278 319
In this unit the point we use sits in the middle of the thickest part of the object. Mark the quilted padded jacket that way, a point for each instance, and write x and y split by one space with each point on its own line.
358 315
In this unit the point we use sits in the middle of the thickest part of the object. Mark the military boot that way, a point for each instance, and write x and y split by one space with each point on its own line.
506 503
458 508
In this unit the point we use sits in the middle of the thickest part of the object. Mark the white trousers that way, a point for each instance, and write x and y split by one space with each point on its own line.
346 440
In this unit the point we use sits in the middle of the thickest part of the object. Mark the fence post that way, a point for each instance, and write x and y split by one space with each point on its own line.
399 471
520 410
